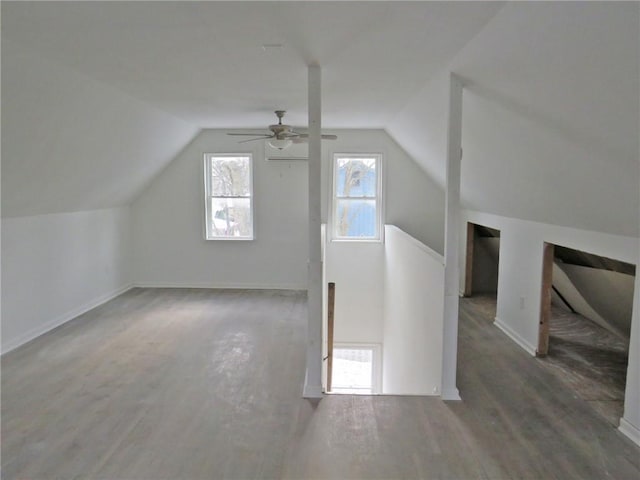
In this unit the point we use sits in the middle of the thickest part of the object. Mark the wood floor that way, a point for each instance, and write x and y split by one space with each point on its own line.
206 384
592 360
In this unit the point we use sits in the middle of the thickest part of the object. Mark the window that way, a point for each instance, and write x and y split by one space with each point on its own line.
356 197
228 196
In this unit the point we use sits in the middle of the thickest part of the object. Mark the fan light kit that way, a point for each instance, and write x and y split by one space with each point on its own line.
281 136
280 143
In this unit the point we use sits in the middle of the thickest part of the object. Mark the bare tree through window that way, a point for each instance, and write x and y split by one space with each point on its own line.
229 196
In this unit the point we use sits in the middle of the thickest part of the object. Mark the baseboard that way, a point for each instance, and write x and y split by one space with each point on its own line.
62 319
513 335
235 286
312 391
450 394
630 430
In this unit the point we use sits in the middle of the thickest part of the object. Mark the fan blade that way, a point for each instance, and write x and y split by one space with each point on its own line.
250 134
304 138
254 139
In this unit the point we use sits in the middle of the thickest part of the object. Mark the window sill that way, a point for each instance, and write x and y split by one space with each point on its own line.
230 239
357 240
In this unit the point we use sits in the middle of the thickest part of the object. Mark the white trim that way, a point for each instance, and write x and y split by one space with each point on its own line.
379 198
208 195
513 335
222 286
630 431
62 319
451 395
311 391
417 243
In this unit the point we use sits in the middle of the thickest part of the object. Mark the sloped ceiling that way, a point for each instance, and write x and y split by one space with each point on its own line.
204 62
70 143
100 96
550 116
571 65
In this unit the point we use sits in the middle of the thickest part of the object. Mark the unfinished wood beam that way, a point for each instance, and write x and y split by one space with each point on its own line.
330 314
545 299
468 272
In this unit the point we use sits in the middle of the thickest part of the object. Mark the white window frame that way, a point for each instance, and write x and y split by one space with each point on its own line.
378 198
208 195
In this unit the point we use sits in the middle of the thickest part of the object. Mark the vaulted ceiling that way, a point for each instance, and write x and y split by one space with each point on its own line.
98 97
204 62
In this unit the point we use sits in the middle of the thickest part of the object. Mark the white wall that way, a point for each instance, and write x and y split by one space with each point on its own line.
413 315
57 266
412 200
516 166
519 285
168 216
357 269
392 294
538 143
550 127
168 222
519 278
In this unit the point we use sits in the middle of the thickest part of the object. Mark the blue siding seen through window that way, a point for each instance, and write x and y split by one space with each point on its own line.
355 198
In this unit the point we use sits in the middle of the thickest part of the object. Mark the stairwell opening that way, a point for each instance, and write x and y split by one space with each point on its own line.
585 323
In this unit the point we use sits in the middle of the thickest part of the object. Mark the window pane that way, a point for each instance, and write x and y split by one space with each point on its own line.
356 177
356 218
230 176
230 217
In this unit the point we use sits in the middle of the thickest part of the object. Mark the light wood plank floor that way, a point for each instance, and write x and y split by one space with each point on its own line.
592 360
206 384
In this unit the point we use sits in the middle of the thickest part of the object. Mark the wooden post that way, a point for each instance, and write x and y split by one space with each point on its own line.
330 310
468 274
545 299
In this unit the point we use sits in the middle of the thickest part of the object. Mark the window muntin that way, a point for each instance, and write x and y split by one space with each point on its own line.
356 197
229 197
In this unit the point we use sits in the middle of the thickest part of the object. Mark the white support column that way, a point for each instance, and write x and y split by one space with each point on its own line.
313 378
451 237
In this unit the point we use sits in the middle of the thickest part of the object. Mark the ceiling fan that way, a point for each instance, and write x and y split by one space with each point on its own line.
281 135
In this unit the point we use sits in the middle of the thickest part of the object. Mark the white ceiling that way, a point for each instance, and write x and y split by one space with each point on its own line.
570 66
204 62
98 97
